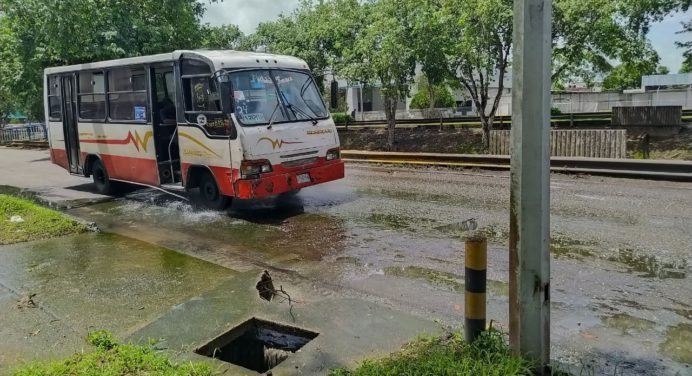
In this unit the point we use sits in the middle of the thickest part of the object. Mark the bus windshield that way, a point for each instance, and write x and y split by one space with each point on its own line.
271 96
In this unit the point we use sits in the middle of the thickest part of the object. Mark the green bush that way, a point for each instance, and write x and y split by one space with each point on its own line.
443 98
341 117
555 111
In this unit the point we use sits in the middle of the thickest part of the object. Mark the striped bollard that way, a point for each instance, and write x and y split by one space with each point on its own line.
476 260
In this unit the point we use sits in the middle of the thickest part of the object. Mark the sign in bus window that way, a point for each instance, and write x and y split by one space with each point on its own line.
204 95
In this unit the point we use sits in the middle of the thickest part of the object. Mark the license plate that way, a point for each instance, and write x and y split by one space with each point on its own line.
303 178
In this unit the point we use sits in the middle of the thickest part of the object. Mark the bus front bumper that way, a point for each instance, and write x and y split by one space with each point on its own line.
289 181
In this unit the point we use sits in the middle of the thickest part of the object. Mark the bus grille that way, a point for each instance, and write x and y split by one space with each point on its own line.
299 162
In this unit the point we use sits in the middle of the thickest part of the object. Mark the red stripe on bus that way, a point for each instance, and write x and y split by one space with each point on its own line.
138 170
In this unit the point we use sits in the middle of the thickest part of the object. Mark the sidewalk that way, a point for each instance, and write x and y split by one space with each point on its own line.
33 170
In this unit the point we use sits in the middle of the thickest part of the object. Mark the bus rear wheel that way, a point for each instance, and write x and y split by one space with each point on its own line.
210 194
102 182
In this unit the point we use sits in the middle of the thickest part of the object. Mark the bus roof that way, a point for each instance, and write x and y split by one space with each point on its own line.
218 59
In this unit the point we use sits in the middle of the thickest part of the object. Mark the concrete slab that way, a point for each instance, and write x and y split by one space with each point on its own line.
349 329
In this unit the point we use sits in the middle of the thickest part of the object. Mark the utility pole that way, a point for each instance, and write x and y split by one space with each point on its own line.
529 239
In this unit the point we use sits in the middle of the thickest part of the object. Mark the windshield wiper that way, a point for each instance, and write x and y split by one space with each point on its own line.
295 108
271 118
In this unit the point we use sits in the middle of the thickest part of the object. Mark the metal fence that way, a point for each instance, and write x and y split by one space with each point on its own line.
599 143
31 132
647 116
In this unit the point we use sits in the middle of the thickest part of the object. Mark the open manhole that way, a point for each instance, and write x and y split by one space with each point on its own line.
257 344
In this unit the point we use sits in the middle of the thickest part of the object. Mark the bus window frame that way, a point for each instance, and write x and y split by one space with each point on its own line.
147 73
77 74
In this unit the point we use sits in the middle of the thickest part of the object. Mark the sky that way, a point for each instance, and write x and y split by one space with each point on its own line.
247 14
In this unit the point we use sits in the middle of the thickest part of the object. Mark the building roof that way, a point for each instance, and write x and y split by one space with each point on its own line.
219 59
667 80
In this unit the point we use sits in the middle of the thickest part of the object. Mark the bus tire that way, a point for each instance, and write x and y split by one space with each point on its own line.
102 182
210 195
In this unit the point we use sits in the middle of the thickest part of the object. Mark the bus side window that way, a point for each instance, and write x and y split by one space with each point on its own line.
92 96
54 99
127 94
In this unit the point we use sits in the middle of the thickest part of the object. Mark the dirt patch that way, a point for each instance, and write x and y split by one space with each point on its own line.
421 139
678 146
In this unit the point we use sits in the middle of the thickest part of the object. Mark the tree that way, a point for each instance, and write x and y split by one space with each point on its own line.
430 38
383 55
686 65
319 33
441 97
62 32
589 35
226 37
8 67
480 51
687 46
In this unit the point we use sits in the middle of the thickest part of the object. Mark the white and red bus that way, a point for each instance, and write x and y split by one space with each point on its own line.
221 123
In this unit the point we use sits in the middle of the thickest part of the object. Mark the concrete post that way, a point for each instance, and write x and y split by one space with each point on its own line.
530 184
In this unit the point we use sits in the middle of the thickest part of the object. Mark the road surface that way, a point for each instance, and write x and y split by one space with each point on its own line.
621 249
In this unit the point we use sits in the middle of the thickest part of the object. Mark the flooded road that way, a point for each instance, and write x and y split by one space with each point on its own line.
621 270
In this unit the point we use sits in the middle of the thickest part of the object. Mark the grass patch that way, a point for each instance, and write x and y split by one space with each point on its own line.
111 358
446 355
22 220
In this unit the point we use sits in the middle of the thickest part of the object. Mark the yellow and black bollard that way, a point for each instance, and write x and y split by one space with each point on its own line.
476 260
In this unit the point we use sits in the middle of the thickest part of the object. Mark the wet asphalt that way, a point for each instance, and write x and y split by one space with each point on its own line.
621 254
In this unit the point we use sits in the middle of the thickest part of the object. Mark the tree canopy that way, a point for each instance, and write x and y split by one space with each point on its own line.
687 48
373 42
42 33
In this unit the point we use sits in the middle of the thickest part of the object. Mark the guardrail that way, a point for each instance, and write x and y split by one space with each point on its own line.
34 132
600 118
628 168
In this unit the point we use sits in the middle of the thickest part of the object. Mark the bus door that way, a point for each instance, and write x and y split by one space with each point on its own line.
70 124
165 123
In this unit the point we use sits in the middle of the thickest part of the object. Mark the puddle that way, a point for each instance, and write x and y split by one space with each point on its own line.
567 247
434 277
678 343
626 324
274 231
410 196
686 313
648 266
449 281
257 345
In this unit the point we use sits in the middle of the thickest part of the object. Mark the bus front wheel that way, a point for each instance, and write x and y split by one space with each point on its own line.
210 195
102 182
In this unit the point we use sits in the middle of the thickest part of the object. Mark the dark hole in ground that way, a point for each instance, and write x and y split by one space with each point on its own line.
257 344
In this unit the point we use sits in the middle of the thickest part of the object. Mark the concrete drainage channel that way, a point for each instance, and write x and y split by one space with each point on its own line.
257 345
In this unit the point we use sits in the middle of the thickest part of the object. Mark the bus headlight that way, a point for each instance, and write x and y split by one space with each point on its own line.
333 154
252 169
